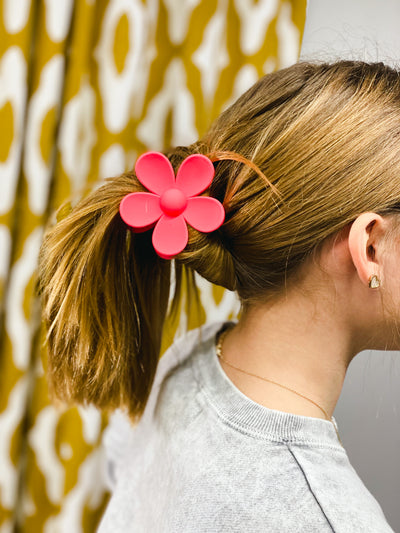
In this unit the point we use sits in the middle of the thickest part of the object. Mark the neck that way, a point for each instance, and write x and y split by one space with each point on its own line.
295 344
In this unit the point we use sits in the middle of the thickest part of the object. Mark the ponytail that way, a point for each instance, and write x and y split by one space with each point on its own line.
105 291
105 294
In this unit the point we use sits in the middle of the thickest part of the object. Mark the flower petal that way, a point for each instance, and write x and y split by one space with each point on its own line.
140 209
195 174
204 213
155 172
170 236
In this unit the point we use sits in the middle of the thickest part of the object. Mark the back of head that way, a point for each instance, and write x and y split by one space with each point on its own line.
297 157
326 136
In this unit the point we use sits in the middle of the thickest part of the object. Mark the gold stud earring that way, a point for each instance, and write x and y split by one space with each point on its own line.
374 282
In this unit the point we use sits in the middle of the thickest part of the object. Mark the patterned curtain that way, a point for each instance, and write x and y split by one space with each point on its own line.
86 86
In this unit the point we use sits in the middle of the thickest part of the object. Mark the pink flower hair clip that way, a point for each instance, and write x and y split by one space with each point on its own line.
171 203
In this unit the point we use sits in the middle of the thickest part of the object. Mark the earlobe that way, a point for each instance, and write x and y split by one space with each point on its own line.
362 241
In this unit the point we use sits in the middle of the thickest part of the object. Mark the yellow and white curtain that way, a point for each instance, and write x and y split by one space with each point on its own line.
86 86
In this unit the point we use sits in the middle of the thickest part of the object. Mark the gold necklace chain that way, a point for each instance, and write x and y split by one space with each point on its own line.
219 354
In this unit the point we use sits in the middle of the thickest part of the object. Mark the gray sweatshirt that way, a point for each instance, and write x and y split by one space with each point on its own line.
206 458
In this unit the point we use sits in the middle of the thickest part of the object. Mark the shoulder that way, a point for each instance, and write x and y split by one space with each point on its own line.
339 491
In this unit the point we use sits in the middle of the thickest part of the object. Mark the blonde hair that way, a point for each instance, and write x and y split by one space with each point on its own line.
297 157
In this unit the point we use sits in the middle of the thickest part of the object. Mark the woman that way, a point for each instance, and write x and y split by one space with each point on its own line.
235 428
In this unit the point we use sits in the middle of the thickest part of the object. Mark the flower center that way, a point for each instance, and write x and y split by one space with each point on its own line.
173 202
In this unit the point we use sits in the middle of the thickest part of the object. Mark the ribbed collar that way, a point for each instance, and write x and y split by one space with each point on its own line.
240 411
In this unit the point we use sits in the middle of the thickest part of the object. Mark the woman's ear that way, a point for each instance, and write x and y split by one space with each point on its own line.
365 245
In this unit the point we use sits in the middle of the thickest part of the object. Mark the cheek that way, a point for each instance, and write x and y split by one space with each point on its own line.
391 302
391 277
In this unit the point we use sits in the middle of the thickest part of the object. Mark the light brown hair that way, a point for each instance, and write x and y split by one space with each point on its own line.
297 157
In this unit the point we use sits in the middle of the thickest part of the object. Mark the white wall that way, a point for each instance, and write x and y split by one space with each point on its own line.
352 29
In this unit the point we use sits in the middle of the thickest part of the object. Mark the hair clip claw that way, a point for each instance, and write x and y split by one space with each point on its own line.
171 203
